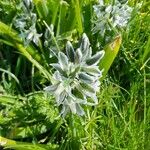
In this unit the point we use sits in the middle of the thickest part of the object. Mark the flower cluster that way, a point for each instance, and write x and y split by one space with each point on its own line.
110 16
76 79
25 21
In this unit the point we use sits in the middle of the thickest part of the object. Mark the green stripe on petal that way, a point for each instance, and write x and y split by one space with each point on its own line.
84 44
85 77
78 57
94 60
63 60
70 51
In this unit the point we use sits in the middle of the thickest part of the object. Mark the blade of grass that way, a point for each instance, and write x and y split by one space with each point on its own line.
42 9
146 50
53 7
6 99
78 15
10 74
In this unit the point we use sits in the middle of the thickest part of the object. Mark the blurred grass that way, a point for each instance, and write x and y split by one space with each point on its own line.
121 121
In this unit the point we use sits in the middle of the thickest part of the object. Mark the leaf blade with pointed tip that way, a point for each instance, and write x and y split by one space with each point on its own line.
12 144
111 51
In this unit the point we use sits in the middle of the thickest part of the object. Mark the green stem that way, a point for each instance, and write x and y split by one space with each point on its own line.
145 105
58 25
72 126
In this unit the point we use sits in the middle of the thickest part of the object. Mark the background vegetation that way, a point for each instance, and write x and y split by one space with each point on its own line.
29 118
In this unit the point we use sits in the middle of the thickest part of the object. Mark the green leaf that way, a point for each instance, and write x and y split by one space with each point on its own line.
10 74
146 50
42 9
63 10
11 144
111 51
6 99
53 7
87 15
78 15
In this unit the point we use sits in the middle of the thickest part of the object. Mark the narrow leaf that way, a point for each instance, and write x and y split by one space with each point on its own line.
11 144
30 52
42 9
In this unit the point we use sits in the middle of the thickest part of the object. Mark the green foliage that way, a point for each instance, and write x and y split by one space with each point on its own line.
30 115
29 52
30 118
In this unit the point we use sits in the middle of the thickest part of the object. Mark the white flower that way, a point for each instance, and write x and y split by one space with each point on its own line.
108 16
32 35
76 78
26 23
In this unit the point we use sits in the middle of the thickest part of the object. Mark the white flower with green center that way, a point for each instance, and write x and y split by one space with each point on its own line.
76 79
